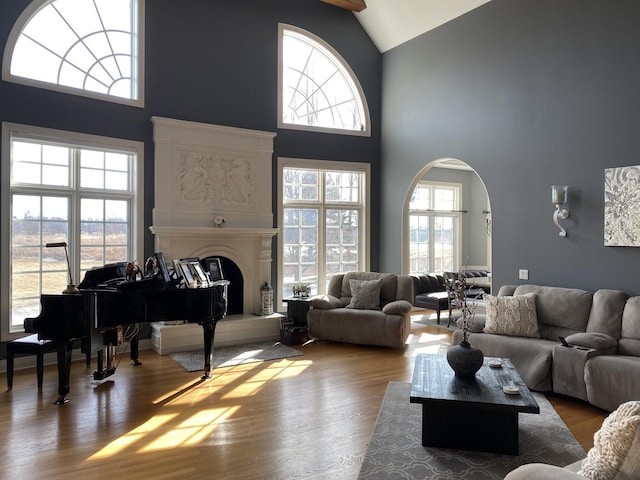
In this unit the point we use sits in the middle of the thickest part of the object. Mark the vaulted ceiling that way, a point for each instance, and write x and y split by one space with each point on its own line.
390 23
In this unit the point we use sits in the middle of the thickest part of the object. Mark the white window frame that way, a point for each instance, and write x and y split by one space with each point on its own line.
456 214
9 130
139 36
364 221
342 65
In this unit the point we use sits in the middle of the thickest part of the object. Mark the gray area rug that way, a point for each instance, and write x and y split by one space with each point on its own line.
395 450
235 355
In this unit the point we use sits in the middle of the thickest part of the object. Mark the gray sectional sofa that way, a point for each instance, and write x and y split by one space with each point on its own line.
602 363
339 316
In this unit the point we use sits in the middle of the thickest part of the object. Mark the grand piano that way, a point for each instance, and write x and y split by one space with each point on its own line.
105 303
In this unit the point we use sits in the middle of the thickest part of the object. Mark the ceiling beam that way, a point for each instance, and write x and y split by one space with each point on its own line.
353 5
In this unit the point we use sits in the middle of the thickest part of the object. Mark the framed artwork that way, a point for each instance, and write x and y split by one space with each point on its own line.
622 206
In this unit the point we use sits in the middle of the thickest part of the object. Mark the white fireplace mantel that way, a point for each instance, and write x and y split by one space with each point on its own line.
205 171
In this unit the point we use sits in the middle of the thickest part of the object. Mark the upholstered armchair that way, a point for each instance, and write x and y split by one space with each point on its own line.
615 454
366 308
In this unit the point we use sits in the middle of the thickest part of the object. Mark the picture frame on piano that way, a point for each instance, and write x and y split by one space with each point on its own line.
215 269
162 267
199 275
185 270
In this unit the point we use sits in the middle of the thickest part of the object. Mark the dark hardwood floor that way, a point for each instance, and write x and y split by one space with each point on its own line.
306 417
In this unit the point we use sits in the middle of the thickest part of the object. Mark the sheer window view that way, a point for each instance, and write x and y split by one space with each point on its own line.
322 226
64 193
89 45
433 228
318 90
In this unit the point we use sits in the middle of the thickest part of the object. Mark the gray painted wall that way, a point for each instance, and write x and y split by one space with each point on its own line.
529 93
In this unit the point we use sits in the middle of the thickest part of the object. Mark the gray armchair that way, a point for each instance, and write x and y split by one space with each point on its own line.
366 308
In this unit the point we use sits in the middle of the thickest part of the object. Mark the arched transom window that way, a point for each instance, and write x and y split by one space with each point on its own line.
318 90
86 47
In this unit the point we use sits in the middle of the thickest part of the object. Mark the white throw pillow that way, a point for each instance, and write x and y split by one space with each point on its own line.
613 449
512 315
365 294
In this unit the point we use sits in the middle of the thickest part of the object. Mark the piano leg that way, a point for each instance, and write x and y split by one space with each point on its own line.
133 355
209 329
63 350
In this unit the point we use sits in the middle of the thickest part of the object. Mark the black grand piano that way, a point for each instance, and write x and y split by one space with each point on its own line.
105 303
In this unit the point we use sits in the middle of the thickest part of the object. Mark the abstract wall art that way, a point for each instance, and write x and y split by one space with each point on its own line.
622 206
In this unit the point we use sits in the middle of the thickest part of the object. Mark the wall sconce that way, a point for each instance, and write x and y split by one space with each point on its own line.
559 198
71 288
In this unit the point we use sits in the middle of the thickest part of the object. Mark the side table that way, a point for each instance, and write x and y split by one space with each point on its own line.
293 330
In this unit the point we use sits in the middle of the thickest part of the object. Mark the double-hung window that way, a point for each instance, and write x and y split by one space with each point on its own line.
322 221
434 226
63 188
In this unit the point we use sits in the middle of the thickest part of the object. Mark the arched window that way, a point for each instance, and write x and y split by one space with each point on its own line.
85 47
317 89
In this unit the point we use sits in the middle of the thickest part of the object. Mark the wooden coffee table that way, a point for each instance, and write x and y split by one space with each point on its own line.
470 413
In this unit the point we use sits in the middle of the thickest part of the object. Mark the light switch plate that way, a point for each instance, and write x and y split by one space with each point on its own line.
523 274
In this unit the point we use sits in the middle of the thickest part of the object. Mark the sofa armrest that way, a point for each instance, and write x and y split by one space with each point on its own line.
541 471
326 302
595 340
398 307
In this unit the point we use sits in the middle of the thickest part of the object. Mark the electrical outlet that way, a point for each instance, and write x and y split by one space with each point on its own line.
523 274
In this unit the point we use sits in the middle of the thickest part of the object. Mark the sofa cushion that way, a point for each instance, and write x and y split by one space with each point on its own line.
606 312
615 449
629 343
514 316
388 289
365 294
561 311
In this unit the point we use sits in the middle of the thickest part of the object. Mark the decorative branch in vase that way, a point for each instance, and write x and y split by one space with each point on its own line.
464 359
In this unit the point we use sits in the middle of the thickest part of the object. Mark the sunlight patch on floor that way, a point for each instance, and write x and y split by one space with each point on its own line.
171 430
191 431
134 436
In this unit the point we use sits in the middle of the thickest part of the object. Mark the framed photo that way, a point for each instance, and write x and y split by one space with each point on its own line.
215 270
184 268
162 266
198 274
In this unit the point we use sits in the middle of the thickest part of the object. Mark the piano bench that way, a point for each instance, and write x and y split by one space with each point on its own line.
28 346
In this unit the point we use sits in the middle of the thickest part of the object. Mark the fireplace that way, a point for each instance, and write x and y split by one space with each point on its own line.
213 189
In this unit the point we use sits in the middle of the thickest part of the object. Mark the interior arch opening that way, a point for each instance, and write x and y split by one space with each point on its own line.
447 220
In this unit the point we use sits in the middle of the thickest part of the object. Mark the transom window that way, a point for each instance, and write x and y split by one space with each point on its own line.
317 89
434 223
322 220
86 47
77 189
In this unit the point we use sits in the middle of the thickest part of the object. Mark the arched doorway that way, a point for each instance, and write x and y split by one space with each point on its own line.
447 220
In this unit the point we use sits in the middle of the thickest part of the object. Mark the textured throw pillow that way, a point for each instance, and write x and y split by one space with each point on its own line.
612 445
365 294
512 315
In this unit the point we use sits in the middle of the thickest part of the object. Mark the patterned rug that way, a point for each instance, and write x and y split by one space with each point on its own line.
235 355
395 450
